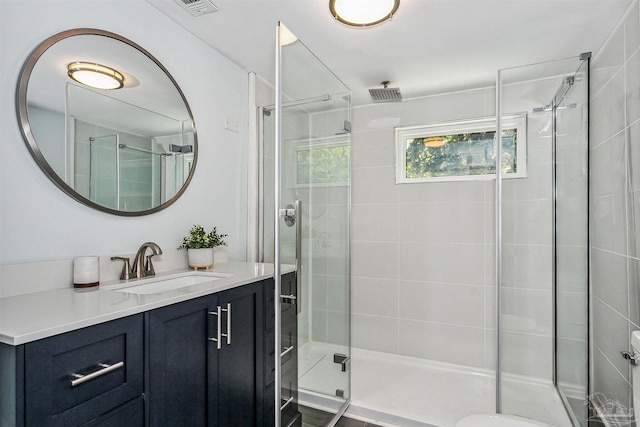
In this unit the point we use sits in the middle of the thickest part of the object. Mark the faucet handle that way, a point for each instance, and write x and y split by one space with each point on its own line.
148 266
126 269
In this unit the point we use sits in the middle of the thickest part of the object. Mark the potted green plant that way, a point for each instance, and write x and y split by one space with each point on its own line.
200 246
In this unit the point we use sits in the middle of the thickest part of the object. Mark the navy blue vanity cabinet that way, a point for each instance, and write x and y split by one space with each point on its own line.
129 414
84 377
289 415
205 360
289 353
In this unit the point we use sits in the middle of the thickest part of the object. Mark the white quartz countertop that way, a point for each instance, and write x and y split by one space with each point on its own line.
30 317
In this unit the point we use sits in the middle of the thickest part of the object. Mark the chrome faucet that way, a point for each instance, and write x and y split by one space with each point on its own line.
144 267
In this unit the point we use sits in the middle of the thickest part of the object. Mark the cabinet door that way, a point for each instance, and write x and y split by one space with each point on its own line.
205 367
180 368
240 358
77 376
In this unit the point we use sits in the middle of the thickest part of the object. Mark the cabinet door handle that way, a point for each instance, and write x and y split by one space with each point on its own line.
79 378
228 334
217 339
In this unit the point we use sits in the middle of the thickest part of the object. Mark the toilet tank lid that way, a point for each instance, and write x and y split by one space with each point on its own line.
635 341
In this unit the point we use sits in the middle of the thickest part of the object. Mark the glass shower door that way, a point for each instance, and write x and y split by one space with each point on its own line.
312 145
571 244
542 270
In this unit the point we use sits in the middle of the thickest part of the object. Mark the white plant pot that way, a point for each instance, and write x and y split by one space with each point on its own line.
200 258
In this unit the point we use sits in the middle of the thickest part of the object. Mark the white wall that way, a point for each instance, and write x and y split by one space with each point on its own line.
38 222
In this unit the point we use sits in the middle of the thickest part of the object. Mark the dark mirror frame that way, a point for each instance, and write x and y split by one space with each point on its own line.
25 128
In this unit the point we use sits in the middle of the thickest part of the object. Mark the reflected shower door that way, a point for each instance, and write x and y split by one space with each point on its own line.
310 122
139 178
104 182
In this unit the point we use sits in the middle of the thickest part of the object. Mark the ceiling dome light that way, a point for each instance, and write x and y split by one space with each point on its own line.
363 13
95 75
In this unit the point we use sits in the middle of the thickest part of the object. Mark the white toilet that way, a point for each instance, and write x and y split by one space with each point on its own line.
502 420
635 372
498 420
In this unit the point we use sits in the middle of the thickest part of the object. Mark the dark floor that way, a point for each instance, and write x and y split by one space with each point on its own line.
314 418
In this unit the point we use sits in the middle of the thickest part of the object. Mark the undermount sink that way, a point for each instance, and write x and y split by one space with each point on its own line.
163 284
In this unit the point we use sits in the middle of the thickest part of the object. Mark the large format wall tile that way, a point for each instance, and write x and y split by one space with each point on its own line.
424 253
442 342
614 178
442 302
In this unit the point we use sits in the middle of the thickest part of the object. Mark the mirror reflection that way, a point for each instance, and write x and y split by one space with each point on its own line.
128 149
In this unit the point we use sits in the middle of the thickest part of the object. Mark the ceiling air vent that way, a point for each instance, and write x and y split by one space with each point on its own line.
198 7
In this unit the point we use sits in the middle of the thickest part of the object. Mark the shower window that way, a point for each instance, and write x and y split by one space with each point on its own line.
460 150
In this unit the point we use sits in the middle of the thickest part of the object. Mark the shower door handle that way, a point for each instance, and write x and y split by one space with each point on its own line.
298 208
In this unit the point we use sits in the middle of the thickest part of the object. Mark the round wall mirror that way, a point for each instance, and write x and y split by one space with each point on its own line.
128 148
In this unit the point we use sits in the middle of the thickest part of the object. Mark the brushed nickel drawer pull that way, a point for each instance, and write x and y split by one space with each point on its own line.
79 378
288 299
286 350
217 339
228 334
289 400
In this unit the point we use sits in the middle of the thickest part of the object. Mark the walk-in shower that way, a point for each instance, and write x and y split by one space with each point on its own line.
438 299
480 273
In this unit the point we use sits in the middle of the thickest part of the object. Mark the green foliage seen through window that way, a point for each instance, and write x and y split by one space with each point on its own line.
459 154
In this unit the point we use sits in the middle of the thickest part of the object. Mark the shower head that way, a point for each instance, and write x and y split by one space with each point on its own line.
386 94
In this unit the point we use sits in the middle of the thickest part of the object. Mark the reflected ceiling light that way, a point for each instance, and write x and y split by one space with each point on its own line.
363 13
433 141
95 75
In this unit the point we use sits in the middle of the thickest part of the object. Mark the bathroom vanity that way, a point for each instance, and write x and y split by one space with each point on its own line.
197 355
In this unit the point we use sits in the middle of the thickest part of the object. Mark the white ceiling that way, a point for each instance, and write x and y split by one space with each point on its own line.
430 46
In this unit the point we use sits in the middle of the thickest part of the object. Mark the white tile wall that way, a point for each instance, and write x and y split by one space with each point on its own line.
615 138
423 255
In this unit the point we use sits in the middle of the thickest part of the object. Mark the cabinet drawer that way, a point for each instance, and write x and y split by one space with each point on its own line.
289 338
288 287
290 411
78 376
287 309
289 394
269 358
270 316
130 414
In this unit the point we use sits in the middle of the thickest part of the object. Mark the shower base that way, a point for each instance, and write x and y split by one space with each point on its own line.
318 374
403 391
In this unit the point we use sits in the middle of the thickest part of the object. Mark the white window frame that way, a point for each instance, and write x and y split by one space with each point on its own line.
516 121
